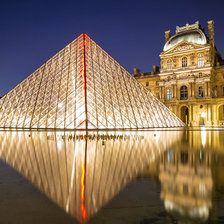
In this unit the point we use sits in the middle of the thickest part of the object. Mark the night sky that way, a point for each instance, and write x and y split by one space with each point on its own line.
132 32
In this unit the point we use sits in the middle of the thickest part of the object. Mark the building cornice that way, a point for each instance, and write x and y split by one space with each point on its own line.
184 71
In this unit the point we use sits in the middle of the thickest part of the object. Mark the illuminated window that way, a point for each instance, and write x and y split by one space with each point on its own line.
169 94
147 84
184 62
200 60
200 75
200 91
183 92
169 64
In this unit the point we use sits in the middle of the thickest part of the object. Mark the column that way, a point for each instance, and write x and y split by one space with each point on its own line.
173 94
214 114
193 115
189 90
209 89
208 114
177 93
193 90
161 92
190 114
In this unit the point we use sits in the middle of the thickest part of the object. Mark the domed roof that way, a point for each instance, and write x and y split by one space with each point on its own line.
194 36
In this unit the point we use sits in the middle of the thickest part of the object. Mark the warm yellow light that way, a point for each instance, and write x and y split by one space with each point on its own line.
203 114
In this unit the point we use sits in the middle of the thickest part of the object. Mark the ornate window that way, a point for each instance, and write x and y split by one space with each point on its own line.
147 84
157 95
184 62
200 91
169 64
200 60
183 92
169 96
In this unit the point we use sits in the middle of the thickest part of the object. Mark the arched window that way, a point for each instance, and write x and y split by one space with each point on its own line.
200 60
183 92
169 64
184 62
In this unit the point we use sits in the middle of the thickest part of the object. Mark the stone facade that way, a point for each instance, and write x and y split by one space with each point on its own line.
191 77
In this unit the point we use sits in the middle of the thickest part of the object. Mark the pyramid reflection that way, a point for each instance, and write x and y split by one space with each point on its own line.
80 171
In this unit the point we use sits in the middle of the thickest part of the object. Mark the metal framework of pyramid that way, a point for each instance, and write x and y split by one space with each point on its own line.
82 87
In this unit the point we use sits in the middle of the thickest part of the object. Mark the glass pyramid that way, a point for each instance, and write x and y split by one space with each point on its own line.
82 87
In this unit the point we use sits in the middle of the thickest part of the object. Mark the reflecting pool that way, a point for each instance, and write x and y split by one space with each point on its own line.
154 176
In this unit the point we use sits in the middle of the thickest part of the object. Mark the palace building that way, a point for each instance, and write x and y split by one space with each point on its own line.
190 81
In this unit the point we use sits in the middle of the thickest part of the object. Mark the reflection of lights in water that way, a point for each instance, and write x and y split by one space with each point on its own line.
200 155
72 176
59 140
59 145
202 189
197 212
152 157
169 156
83 210
157 135
203 136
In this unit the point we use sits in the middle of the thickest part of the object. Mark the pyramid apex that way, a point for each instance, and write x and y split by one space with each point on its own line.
84 34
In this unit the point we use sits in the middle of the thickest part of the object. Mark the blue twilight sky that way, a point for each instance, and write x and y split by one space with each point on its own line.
132 32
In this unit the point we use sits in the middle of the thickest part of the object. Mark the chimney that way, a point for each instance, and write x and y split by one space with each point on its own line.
211 34
155 69
136 71
167 35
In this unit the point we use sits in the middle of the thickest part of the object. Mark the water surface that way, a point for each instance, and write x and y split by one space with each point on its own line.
156 176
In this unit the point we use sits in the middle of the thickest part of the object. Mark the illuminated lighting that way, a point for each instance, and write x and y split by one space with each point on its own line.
83 210
203 137
157 135
203 114
111 109
59 143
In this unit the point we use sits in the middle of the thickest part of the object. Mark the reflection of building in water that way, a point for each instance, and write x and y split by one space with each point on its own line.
186 180
205 139
78 174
